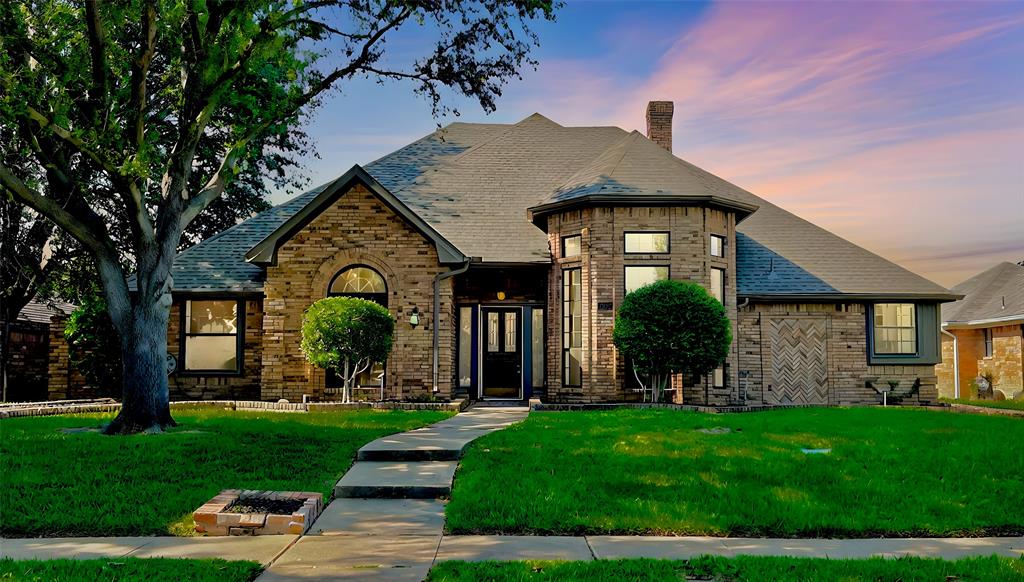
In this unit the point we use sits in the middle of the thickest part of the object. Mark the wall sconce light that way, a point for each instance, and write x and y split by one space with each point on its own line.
414 319
501 295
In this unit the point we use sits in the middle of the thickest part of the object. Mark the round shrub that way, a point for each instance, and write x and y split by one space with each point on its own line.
670 327
347 335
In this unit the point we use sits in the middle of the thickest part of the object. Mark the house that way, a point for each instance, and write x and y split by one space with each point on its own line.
983 335
25 351
503 251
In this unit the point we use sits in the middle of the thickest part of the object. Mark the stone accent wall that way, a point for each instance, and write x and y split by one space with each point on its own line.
848 371
244 386
357 229
1006 362
602 263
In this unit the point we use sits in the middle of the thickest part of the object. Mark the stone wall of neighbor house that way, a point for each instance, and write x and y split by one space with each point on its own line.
1006 363
824 351
357 230
243 386
602 263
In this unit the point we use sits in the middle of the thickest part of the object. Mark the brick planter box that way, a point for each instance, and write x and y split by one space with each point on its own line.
213 519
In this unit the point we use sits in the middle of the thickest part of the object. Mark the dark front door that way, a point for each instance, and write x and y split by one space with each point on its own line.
502 353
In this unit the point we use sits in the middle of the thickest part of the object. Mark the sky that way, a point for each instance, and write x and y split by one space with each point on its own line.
897 125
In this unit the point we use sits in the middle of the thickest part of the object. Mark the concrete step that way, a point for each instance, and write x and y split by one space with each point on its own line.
397 480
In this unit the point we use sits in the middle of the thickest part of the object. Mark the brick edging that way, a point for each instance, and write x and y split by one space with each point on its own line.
986 410
80 407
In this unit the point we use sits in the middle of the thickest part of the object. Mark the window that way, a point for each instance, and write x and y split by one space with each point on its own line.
364 283
571 246
988 342
361 282
572 328
718 285
647 243
537 347
510 332
718 377
492 331
211 341
717 245
637 276
895 328
465 347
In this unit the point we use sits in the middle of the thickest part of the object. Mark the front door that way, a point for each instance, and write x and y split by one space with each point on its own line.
502 373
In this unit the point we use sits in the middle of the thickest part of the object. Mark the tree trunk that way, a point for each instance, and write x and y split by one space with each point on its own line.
145 405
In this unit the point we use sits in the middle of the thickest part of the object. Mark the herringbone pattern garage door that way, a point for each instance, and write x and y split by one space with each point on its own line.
799 361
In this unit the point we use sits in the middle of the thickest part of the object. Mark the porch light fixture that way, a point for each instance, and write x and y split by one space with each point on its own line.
414 318
501 295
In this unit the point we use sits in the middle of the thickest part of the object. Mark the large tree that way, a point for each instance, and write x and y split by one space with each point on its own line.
137 89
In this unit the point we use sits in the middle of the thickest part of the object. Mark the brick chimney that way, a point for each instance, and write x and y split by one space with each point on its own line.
659 123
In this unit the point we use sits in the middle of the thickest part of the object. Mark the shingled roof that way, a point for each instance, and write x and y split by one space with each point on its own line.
990 297
474 183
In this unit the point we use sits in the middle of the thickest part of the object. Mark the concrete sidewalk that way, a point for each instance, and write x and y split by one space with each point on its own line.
262 549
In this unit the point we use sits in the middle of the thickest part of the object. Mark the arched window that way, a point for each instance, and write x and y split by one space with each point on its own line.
365 283
359 281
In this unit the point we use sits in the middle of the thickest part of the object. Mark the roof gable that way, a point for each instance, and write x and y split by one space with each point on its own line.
994 295
265 251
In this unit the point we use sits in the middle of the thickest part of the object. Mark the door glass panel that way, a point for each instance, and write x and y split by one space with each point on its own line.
465 346
510 331
537 344
492 332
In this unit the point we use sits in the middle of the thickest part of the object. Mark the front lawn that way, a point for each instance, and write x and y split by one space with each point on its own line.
56 483
128 569
991 569
1004 404
890 472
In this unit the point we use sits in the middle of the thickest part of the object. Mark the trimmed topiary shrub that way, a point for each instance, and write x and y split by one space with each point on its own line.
346 335
671 327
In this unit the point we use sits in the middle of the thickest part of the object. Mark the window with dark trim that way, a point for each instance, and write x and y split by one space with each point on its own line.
571 246
719 377
718 284
895 329
987 333
636 276
647 243
717 245
211 340
572 328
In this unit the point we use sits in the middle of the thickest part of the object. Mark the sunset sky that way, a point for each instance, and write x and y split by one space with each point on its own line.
897 125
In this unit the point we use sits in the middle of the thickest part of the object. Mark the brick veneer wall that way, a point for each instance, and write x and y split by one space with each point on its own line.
244 386
602 264
64 381
846 348
1006 362
357 229
27 361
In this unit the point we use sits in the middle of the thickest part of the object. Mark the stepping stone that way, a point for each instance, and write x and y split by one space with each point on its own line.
398 480
380 517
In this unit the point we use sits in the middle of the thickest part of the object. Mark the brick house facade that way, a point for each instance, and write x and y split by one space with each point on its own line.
983 335
514 245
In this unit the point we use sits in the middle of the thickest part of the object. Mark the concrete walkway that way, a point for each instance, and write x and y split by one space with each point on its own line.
262 549
387 519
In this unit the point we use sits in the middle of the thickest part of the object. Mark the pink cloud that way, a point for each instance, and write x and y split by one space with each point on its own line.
889 123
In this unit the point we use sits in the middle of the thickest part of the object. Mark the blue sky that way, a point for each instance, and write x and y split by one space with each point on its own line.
899 125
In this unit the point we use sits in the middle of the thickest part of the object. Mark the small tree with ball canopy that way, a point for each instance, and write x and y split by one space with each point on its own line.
670 327
346 335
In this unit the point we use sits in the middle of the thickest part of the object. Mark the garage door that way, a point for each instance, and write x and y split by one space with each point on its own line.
799 361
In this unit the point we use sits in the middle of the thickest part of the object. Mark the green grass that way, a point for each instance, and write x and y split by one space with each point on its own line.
57 484
1004 404
758 568
128 569
891 472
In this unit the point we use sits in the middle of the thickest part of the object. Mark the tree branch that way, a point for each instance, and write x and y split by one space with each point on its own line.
100 91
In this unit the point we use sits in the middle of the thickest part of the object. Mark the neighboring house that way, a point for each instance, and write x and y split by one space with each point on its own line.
26 355
503 252
983 333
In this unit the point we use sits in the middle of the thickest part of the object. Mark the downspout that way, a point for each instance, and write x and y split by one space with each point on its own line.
956 363
436 320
